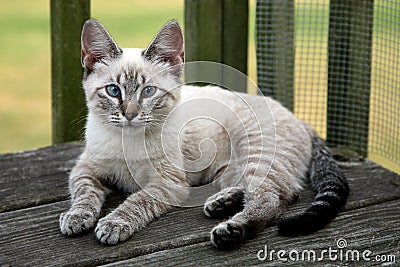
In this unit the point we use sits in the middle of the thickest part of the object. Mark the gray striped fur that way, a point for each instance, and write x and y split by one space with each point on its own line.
259 155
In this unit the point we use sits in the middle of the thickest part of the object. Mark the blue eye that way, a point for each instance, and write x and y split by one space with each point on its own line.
149 91
113 90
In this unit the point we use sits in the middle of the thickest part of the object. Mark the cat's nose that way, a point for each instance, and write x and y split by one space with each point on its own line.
130 115
130 109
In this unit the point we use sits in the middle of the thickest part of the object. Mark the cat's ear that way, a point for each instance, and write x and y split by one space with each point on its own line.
97 44
167 47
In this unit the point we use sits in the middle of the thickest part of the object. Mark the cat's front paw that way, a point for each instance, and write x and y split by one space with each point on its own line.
228 235
111 230
77 221
225 203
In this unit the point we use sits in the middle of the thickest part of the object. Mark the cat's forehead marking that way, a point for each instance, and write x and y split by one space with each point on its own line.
131 73
131 79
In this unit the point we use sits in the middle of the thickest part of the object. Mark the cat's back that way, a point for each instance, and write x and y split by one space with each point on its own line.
221 101
192 93
227 116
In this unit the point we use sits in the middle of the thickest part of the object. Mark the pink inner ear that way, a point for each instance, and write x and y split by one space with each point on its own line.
97 44
87 60
182 55
167 46
177 59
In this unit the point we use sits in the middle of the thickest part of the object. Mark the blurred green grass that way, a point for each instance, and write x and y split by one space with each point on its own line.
25 108
25 95
24 74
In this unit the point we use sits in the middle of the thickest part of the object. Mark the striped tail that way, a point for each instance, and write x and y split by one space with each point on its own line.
332 190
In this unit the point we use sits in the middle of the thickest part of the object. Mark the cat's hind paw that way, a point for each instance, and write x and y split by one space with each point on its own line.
77 221
228 235
111 231
225 203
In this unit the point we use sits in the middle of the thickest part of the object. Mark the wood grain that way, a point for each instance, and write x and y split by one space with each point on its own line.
68 99
36 177
381 236
349 74
33 194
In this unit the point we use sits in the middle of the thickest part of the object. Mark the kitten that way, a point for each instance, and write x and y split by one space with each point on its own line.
139 137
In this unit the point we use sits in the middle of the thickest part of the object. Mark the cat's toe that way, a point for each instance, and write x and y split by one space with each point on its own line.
76 221
225 203
228 235
112 231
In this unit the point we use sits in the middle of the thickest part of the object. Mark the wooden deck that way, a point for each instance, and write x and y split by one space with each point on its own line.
33 193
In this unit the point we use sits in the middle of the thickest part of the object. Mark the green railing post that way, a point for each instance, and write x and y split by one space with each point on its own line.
217 31
349 73
68 101
275 49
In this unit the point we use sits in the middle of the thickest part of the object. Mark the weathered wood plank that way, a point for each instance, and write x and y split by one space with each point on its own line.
36 177
40 176
35 230
275 49
68 101
203 28
349 73
218 32
370 184
380 235
235 32
26 178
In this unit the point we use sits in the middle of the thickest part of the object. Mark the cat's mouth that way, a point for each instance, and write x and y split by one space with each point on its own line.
127 124
138 121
